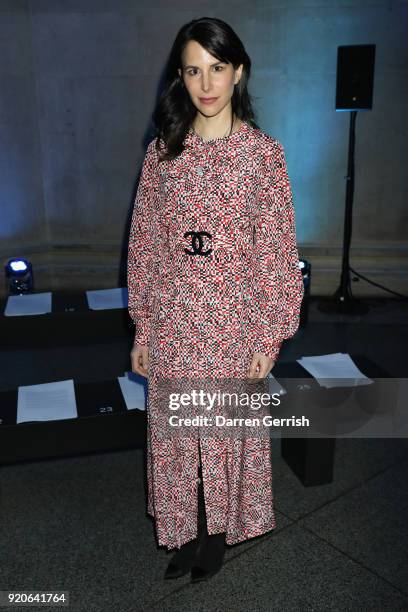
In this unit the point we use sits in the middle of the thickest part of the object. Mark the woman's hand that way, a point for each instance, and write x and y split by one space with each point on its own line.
260 366
139 356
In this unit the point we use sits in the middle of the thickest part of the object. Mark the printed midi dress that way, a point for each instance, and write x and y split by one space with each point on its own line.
213 276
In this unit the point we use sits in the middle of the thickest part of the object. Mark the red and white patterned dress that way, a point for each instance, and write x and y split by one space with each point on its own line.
204 302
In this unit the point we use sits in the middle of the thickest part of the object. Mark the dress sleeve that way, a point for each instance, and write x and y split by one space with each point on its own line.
279 285
142 252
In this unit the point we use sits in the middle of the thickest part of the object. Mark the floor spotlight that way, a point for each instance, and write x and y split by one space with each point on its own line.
19 275
306 269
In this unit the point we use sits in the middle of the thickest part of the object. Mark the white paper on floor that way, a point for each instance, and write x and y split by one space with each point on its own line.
334 370
106 299
132 391
28 304
47 402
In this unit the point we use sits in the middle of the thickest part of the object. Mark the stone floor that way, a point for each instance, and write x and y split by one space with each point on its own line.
79 524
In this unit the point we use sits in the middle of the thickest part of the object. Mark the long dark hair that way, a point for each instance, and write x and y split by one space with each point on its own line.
175 111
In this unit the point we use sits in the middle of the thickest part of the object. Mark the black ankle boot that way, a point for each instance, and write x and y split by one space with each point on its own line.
209 557
184 558
211 548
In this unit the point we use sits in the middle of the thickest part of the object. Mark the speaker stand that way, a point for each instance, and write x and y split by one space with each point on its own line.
342 300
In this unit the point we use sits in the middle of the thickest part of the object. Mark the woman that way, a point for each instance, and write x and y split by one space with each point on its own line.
214 288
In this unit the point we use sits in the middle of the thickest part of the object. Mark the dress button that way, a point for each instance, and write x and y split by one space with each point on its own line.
200 170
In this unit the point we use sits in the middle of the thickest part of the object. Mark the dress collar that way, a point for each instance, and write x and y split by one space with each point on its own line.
195 139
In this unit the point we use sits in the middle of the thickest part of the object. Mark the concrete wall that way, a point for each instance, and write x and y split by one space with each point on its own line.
79 79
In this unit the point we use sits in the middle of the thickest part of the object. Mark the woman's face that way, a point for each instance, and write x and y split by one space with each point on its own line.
206 77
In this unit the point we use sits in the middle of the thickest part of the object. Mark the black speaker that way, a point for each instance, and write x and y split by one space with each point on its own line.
355 77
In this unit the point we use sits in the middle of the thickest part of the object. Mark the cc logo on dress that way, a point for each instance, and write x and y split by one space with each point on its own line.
197 243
